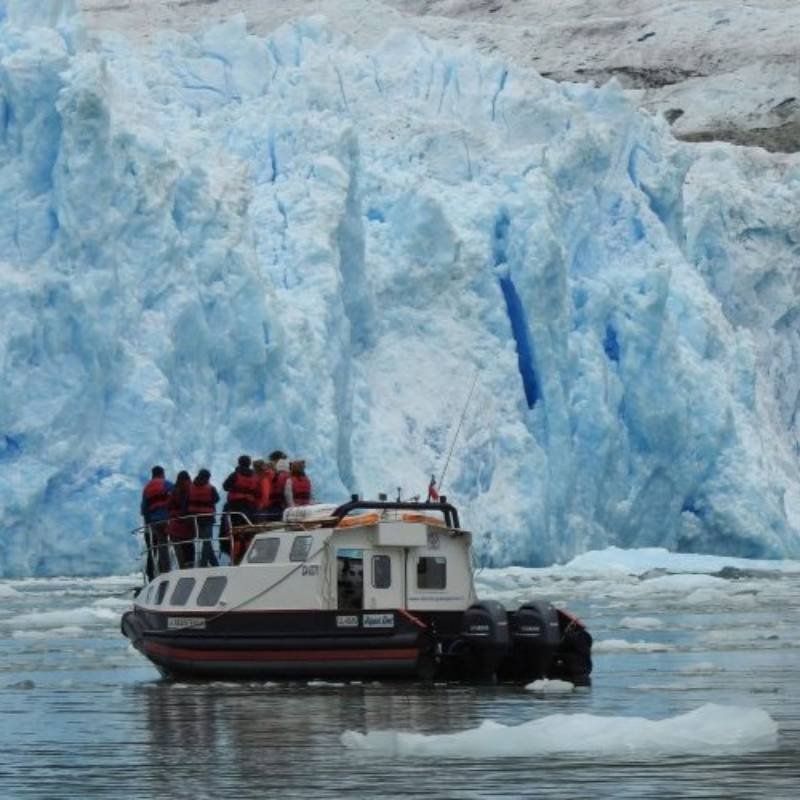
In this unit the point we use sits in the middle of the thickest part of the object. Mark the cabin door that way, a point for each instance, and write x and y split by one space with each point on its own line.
384 578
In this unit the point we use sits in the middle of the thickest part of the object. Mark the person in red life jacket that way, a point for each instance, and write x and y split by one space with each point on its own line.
277 493
243 489
203 499
155 499
268 476
181 531
264 471
297 489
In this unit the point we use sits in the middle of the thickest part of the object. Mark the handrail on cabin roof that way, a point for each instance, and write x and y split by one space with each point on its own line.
449 511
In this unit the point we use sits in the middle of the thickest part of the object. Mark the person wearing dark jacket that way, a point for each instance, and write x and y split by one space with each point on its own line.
181 531
154 509
243 487
203 499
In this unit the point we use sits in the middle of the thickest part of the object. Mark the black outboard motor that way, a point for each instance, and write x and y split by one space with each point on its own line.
536 636
484 628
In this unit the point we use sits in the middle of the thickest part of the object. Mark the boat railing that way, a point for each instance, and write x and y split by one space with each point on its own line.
448 510
165 549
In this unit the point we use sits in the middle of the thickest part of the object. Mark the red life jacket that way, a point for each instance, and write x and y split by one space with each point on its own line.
155 494
266 487
276 497
201 499
179 528
301 490
245 489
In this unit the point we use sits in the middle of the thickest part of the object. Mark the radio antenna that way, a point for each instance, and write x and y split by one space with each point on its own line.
458 430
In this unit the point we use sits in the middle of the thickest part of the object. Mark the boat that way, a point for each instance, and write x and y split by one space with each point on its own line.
366 589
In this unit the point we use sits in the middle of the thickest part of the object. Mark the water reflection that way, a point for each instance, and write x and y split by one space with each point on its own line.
237 736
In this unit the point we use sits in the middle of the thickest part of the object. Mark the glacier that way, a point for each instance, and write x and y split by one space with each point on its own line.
223 242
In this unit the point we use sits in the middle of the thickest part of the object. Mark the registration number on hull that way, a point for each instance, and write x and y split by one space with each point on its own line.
174 623
368 621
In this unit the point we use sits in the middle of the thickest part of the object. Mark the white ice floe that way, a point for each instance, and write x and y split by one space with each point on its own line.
639 561
709 729
624 646
546 686
324 683
60 618
65 632
641 623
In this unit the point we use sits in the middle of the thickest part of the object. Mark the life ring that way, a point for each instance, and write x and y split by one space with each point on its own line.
425 519
358 521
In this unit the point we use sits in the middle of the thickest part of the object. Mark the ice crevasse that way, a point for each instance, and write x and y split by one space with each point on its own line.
223 243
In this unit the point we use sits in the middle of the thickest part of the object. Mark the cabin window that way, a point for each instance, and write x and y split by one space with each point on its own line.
149 596
431 572
212 590
183 588
162 590
264 551
300 548
381 572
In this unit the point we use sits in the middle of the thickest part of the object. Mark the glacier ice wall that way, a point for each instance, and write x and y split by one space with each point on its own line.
225 243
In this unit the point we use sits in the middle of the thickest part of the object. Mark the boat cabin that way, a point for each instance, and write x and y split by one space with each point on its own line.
321 558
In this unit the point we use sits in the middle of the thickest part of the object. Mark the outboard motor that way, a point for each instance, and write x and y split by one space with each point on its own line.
536 636
484 628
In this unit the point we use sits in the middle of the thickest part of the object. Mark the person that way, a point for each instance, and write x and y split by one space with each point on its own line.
203 499
277 495
297 489
181 531
243 487
264 471
155 499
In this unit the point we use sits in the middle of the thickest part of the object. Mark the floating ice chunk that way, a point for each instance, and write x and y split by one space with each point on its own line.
624 646
639 561
709 729
66 632
324 683
641 623
65 618
547 686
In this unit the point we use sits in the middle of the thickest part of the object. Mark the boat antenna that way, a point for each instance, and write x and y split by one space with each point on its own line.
458 430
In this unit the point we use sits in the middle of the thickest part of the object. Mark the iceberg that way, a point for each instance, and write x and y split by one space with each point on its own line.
222 243
708 729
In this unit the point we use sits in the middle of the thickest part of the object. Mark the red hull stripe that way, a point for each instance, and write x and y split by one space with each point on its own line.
167 651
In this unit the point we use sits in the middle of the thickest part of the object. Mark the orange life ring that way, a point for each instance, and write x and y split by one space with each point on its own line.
427 519
358 521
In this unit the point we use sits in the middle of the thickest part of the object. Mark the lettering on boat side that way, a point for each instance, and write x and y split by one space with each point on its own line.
310 569
347 621
185 622
378 620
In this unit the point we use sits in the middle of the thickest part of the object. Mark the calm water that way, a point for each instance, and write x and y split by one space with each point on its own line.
83 715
